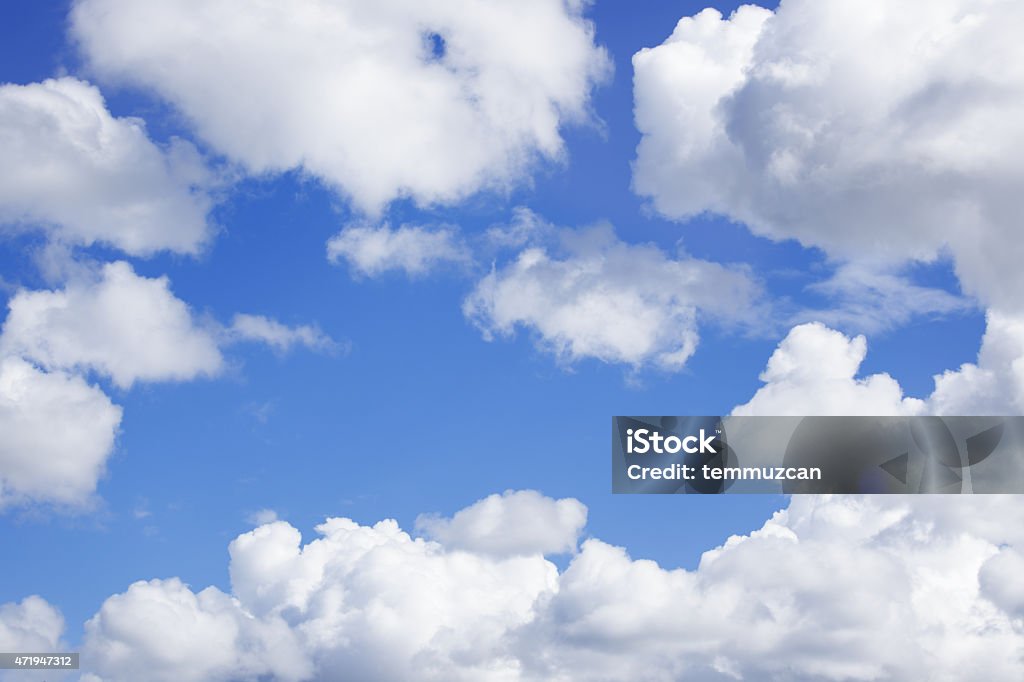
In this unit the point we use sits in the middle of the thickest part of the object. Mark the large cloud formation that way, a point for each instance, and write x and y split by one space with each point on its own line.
831 588
84 176
883 133
878 131
429 100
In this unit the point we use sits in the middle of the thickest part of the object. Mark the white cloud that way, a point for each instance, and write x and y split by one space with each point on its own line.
999 581
870 299
371 251
362 602
132 328
813 371
58 432
875 130
73 169
516 523
859 588
280 337
30 625
525 227
262 517
121 325
995 383
596 296
188 637
429 100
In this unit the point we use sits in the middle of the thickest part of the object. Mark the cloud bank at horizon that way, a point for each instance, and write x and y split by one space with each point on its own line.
838 588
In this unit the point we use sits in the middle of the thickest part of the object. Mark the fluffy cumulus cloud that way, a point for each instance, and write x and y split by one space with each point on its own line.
30 625
111 323
359 602
192 637
518 522
883 133
416 250
594 296
995 383
131 328
84 176
118 324
878 131
857 588
814 371
58 432
429 100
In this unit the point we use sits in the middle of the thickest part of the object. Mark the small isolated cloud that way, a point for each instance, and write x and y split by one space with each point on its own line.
594 296
427 100
56 433
526 227
72 169
859 588
280 337
372 251
516 523
262 517
813 371
874 130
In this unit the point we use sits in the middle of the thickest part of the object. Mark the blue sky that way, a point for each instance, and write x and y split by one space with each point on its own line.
413 411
